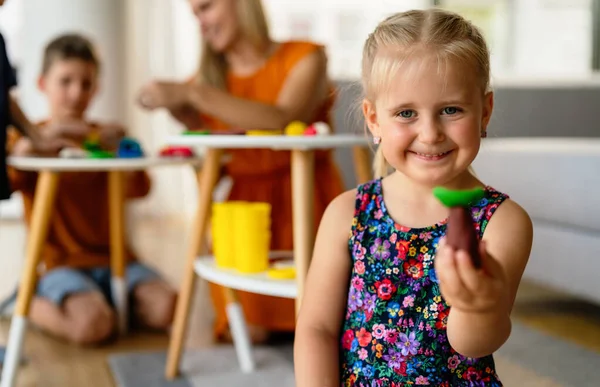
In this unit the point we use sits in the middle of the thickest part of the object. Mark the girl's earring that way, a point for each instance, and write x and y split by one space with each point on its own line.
376 140
484 134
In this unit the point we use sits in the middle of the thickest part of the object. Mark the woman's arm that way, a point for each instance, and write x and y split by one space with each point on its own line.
187 115
305 88
316 347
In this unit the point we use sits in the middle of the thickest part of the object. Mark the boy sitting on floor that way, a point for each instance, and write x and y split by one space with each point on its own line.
73 298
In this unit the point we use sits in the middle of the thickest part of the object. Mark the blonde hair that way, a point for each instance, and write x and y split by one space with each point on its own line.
446 34
253 26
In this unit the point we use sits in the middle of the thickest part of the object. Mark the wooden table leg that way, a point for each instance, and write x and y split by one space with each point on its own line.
38 231
362 164
303 214
207 181
116 200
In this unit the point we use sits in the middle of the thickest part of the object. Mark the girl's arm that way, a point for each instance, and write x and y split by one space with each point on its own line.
324 300
508 238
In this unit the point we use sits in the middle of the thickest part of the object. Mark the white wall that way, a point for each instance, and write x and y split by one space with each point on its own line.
102 21
162 40
553 37
11 21
341 25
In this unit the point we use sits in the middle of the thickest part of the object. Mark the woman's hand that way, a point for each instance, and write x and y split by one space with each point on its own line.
159 94
469 289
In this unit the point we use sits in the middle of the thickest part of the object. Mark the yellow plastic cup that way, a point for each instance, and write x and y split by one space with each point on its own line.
253 217
222 223
252 237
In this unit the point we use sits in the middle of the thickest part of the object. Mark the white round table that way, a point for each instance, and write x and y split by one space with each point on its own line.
302 174
94 165
49 170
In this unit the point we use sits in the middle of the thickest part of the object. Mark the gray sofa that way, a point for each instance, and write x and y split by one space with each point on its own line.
556 180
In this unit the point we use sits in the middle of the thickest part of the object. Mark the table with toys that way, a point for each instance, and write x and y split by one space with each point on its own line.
255 268
129 156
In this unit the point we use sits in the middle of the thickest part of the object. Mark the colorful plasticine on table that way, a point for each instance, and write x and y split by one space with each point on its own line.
268 132
196 132
295 128
461 233
73 153
129 149
318 129
94 151
176 152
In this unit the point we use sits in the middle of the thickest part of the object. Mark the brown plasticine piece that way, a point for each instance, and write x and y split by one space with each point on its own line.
461 233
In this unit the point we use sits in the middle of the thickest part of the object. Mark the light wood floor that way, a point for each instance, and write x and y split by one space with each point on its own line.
162 244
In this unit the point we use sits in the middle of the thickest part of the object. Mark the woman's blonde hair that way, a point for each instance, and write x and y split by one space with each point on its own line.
445 34
252 25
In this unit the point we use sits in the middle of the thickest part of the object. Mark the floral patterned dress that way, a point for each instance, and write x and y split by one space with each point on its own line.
394 333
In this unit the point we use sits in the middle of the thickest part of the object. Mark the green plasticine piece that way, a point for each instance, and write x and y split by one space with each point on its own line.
196 132
458 198
101 155
91 146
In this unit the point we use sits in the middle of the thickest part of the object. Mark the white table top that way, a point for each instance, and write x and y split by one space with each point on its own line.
258 283
277 142
89 165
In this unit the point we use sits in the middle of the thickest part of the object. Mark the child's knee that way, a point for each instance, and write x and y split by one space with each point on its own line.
165 309
157 301
91 321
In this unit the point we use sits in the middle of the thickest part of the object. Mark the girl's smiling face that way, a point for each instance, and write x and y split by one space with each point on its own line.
430 119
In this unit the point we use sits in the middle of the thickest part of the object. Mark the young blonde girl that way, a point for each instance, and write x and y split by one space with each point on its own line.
387 302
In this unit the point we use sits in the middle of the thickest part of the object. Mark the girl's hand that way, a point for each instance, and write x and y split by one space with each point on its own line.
169 95
469 289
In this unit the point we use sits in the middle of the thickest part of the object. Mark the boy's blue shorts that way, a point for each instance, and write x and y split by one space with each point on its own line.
61 282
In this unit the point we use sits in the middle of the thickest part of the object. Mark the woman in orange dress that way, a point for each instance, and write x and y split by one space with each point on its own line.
248 81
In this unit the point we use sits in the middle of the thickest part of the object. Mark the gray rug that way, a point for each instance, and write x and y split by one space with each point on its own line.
528 359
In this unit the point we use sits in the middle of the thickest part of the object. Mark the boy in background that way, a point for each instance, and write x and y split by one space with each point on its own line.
73 298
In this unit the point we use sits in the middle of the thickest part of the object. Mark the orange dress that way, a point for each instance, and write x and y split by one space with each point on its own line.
264 175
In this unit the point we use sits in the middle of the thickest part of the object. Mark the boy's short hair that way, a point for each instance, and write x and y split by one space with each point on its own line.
69 46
